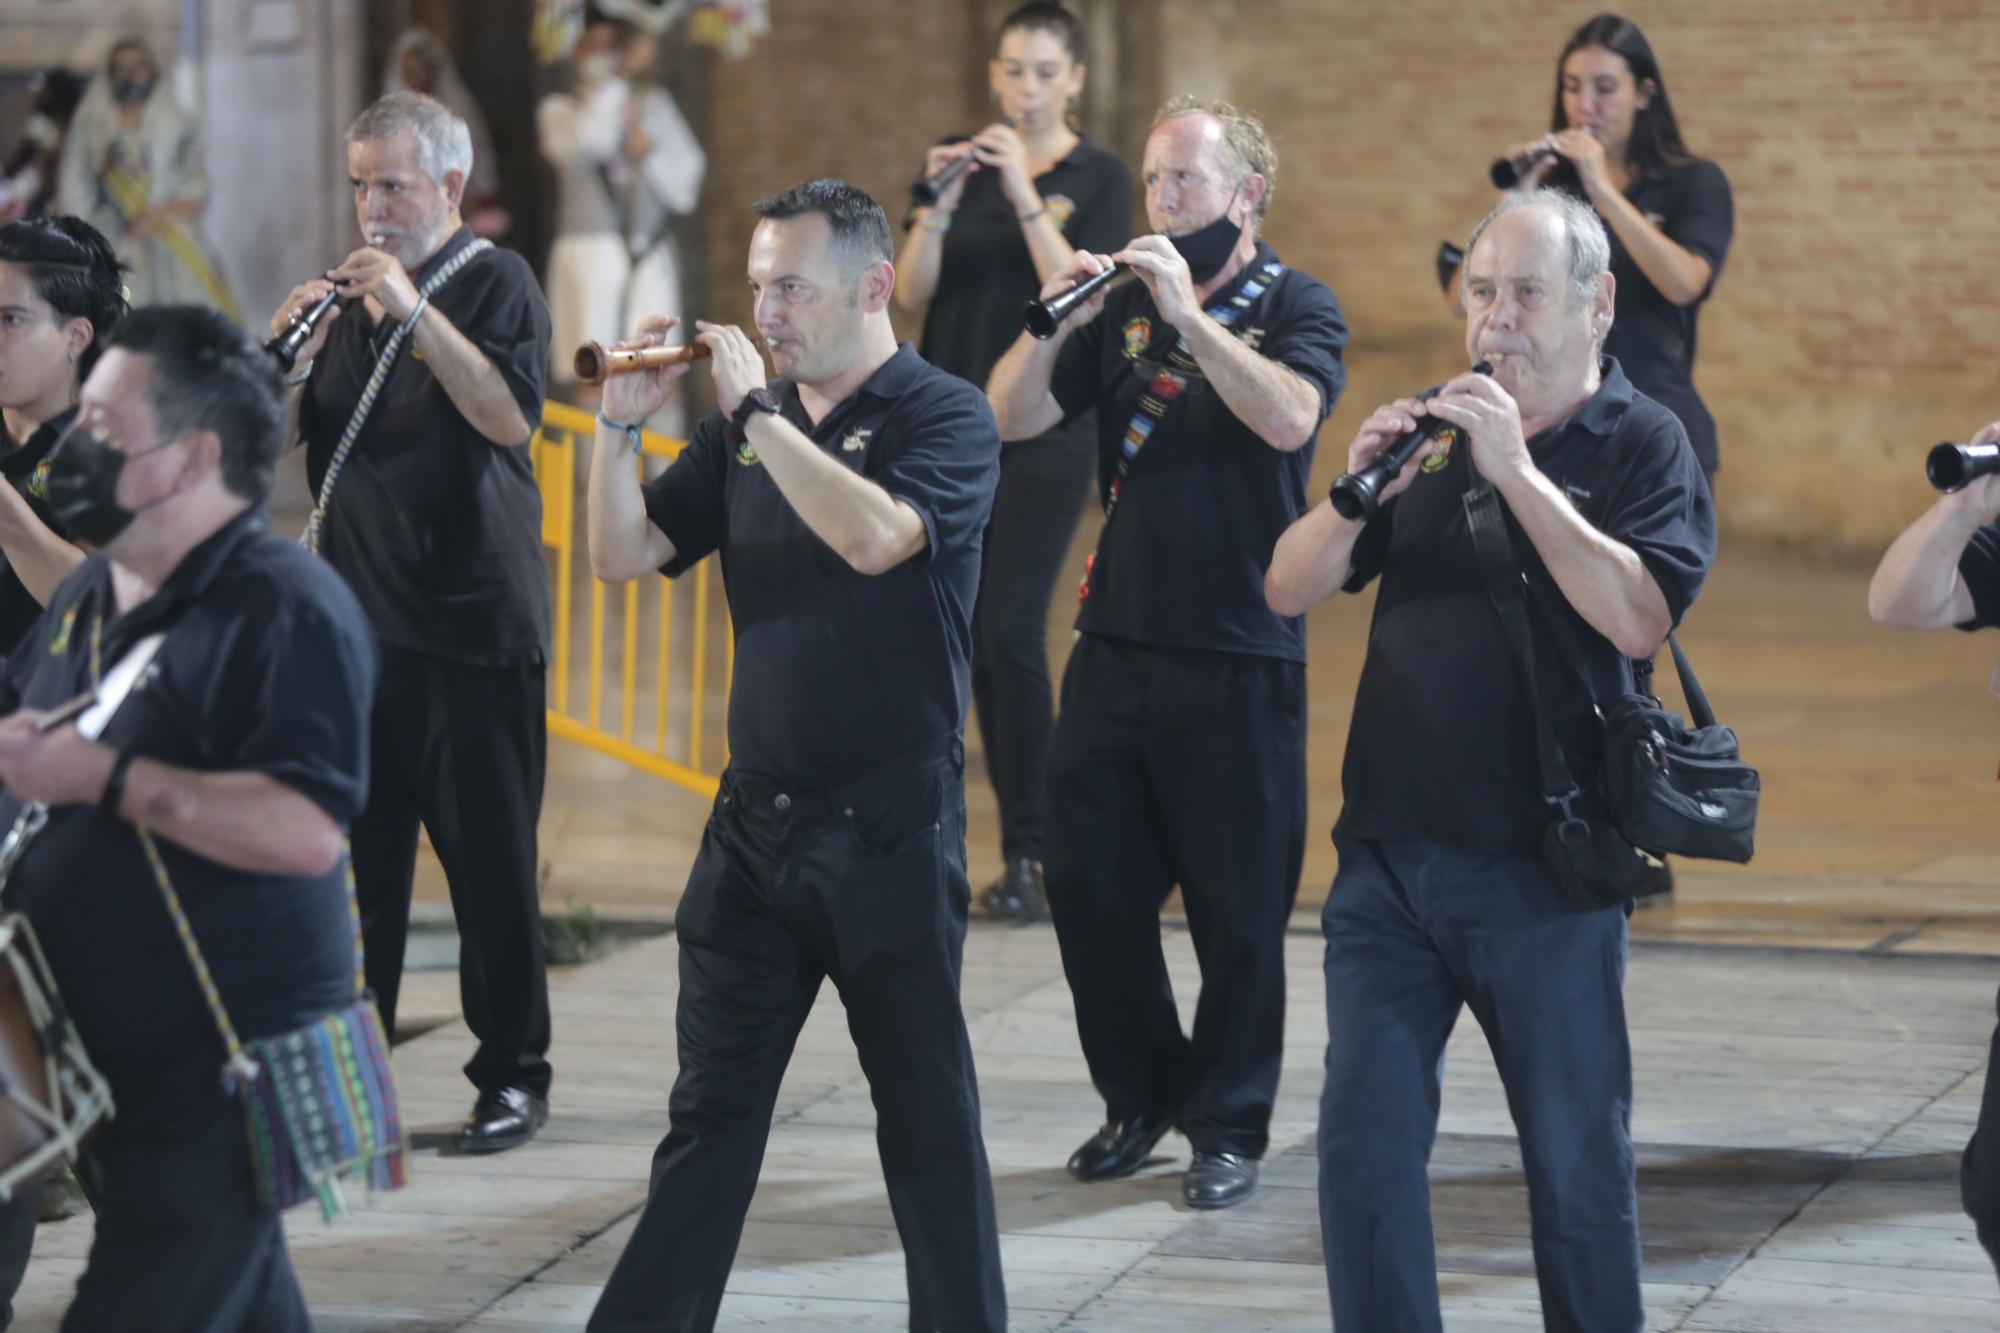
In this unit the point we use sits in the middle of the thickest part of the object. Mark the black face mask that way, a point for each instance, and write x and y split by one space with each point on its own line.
129 91
1207 249
83 486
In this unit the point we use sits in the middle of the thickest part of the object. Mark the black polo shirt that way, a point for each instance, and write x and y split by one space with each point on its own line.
25 468
437 529
1651 337
840 673
1979 567
1442 742
986 276
1180 563
268 667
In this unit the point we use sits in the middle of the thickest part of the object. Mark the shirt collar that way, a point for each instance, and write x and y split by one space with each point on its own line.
1081 153
453 243
1602 411
892 379
1252 271
195 574
27 454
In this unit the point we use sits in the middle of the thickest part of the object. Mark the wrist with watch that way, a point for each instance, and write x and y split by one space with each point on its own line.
757 400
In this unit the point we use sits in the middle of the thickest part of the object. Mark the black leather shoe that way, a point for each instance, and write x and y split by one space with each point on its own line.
503 1118
1017 896
1118 1149
1219 1180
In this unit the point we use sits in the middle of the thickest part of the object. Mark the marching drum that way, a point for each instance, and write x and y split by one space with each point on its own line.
51 1096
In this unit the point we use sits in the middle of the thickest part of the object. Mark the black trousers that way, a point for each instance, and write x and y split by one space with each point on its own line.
1179 767
1043 485
865 886
463 748
1979 1171
181 1244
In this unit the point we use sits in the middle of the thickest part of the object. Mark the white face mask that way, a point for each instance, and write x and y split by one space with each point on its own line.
41 131
597 68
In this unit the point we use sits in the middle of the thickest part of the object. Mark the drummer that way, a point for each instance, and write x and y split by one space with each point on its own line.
242 752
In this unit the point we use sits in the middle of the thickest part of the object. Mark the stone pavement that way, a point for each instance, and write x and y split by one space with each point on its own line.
1799 1115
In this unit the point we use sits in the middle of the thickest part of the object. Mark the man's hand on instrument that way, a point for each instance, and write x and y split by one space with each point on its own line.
303 298
57 767
1981 496
637 394
736 364
1384 426
1491 420
1082 264
1165 273
377 273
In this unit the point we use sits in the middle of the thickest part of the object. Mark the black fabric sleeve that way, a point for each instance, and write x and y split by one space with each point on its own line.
510 326
1663 512
293 695
686 501
1078 378
1979 567
1703 217
1102 222
1310 339
946 463
1370 548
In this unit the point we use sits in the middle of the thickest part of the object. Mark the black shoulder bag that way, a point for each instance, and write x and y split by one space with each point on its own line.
1664 788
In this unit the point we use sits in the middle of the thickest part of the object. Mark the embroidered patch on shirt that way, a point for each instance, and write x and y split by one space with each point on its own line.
59 641
856 440
1138 335
1443 442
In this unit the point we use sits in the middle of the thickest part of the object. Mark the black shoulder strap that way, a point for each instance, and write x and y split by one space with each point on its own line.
1566 644
1504 584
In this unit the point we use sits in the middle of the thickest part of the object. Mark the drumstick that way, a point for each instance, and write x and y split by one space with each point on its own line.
596 363
65 712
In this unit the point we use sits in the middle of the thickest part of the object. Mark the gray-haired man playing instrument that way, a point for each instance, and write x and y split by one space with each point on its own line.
417 401
1442 901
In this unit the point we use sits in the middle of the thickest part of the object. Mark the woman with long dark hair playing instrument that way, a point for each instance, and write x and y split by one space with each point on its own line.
1613 139
1036 192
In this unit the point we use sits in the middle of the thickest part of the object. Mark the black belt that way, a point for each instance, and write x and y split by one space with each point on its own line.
821 798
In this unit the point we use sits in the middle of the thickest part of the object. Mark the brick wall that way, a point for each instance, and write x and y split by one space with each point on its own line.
1857 320
837 89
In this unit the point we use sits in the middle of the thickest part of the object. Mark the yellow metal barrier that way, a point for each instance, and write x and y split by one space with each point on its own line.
679 721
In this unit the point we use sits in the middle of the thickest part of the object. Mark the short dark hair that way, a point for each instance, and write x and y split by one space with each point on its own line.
860 227
209 375
74 269
1656 143
1050 17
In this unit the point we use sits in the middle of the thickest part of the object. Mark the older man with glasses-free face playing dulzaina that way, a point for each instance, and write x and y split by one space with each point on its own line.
1442 899
432 515
846 499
